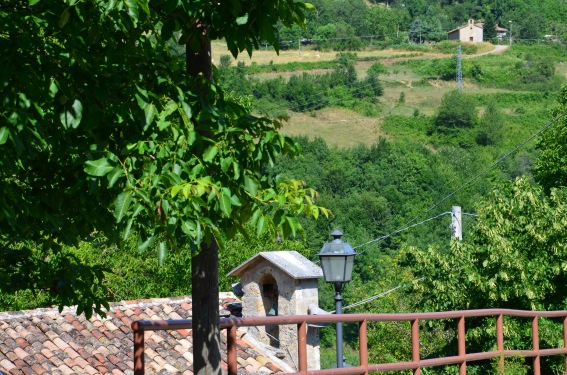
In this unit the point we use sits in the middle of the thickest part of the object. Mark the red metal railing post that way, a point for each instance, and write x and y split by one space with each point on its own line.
535 344
139 367
462 359
500 341
415 356
363 343
461 337
565 338
302 346
231 350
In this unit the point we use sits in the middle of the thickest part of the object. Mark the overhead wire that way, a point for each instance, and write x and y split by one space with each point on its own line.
409 224
376 296
466 214
498 161
398 231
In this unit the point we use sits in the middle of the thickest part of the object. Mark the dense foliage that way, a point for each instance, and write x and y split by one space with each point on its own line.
352 25
306 92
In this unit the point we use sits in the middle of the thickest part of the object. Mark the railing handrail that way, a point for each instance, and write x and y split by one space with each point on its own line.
153 325
231 324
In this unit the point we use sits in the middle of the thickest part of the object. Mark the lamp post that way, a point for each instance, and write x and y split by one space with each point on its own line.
510 32
337 260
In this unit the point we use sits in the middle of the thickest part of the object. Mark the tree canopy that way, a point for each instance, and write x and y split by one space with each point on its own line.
105 129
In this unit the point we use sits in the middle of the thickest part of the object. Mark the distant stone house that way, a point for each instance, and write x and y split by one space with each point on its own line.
501 32
471 32
474 32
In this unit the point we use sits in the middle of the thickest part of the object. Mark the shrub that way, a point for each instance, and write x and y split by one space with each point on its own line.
377 68
490 131
457 111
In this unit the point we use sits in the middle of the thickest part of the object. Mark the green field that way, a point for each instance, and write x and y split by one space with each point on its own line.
414 87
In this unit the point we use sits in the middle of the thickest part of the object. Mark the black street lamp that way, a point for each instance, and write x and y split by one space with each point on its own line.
337 260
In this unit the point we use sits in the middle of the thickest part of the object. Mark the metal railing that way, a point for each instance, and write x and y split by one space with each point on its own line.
231 325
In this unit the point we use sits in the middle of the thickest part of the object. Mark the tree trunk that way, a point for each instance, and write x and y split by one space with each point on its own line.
205 290
205 265
200 61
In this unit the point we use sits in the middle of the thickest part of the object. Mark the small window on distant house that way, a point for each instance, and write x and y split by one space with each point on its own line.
471 38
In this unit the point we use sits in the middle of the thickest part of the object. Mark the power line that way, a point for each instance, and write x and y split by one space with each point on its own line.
466 214
376 296
398 231
502 158
469 182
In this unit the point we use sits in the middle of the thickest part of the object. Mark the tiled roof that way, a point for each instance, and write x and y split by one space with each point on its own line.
44 341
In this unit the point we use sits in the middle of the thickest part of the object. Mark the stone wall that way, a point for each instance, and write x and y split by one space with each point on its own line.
267 288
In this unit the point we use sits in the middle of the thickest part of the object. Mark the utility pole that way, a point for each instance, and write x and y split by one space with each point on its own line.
459 69
456 223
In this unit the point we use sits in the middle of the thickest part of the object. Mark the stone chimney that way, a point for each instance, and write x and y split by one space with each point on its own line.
279 283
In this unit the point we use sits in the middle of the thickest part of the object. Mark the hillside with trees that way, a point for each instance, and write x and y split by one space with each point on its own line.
352 24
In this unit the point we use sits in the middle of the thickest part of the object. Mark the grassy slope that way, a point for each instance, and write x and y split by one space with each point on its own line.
346 128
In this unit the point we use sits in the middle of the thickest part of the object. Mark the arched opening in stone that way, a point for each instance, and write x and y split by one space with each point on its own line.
270 294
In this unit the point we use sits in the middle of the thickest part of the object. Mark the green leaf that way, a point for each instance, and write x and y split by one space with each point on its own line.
53 89
122 204
225 164
150 111
255 216
4 134
225 204
72 115
114 175
293 224
186 113
176 189
128 229
307 6
236 168
98 167
64 17
138 207
251 186
210 153
235 201
219 238
146 244
189 228
142 194
144 5
162 252
33 2
242 20
133 10
261 225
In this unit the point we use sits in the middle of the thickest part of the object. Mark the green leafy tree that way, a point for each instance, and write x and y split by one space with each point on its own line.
104 128
513 258
550 169
489 29
457 111
491 129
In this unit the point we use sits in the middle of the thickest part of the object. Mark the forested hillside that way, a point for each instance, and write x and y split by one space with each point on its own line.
350 24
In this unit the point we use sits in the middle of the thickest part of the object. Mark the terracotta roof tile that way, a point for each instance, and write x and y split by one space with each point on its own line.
44 341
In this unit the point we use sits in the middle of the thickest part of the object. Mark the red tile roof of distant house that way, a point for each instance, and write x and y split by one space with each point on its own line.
44 341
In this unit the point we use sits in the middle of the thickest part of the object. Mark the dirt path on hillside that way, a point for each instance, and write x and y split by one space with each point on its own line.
497 49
